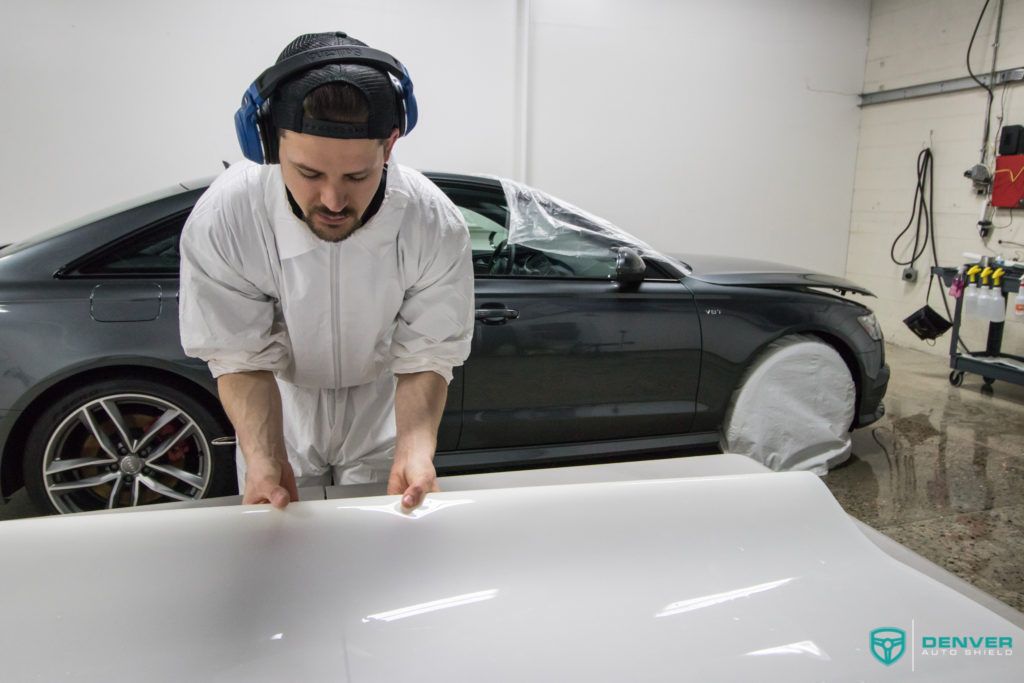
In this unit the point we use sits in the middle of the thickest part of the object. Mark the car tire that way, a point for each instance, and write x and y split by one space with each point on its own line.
125 443
793 408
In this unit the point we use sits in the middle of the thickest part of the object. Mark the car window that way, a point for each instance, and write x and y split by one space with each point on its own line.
155 252
571 255
90 218
487 217
484 233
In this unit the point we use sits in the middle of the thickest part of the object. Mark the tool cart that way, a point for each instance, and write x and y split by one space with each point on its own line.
992 363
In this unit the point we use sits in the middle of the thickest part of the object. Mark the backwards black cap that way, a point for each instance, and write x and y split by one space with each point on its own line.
377 87
274 100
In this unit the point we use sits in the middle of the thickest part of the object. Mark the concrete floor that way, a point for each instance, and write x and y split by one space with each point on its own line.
942 473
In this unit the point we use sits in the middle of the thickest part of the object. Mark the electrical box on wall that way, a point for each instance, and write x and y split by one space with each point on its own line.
1008 182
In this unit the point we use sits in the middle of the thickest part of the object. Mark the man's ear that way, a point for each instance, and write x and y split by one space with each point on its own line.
389 143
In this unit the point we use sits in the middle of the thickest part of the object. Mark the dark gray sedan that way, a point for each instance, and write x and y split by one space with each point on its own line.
587 344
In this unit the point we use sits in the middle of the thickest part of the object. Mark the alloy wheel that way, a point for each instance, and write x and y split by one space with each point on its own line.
125 450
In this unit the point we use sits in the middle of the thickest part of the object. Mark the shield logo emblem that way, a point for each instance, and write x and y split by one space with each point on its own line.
888 644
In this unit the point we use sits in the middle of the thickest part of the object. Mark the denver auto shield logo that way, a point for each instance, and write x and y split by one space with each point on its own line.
888 644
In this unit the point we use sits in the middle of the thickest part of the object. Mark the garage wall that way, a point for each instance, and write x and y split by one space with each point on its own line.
913 42
703 127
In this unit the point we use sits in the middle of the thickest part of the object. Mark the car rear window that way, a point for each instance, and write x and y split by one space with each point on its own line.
153 251
90 218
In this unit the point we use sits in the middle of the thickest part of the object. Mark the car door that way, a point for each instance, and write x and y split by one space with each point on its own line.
132 289
137 279
561 352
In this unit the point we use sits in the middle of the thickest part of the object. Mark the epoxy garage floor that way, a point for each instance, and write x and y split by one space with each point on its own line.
942 473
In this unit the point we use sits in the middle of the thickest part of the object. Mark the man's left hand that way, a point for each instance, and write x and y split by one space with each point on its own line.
412 477
419 402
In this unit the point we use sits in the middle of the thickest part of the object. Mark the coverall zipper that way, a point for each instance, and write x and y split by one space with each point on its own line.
335 336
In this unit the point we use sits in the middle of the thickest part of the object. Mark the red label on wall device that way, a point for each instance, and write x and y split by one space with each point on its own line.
1008 183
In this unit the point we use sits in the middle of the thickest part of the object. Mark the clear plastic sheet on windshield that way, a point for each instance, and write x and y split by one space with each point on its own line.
548 224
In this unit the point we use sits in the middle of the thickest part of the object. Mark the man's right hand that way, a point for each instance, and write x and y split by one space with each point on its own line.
253 404
270 482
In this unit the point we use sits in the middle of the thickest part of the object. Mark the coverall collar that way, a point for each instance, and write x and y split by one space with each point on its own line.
294 237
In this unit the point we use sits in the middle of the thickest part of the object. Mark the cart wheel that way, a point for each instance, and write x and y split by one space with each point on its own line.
986 388
989 381
956 378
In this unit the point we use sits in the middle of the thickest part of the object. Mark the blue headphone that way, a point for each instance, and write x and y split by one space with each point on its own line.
253 124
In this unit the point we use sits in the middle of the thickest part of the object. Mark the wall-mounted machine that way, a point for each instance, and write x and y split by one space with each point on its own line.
1008 180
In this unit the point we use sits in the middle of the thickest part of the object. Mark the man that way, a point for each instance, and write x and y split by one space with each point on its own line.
329 291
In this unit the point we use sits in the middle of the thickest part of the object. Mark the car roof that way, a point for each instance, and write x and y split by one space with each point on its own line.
157 202
437 176
462 178
198 183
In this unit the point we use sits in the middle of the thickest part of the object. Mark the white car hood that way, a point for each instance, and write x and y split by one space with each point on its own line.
744 577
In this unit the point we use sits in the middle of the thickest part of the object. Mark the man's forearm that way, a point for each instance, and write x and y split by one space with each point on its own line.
253 404
419 404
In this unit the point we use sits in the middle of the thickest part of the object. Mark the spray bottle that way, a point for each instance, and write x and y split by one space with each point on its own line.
970 305
996 305
981 310
1018 306
956 288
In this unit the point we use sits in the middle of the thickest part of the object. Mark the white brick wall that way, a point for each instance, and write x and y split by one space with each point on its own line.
922 41
912 42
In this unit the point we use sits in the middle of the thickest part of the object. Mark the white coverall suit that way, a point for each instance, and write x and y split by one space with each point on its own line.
334 322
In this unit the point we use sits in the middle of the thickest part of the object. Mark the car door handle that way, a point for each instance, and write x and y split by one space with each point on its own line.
496 316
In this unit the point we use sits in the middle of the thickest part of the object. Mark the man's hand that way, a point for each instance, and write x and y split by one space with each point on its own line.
253 403
419 402
270 482
413 478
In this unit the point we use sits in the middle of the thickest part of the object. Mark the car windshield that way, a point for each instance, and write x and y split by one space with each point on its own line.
549 224
90 218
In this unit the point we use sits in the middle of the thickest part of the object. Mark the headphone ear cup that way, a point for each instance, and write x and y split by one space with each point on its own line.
410 110
400 108
268 133
411 113
247 126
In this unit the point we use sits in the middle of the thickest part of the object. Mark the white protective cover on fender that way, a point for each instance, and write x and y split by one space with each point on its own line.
793 408
758 577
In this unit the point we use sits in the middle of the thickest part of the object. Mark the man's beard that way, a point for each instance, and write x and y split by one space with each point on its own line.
333 234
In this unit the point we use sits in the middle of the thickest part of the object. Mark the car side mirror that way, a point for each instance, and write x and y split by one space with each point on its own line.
629 267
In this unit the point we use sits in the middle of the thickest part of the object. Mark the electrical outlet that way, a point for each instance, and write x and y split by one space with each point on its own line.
909 274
